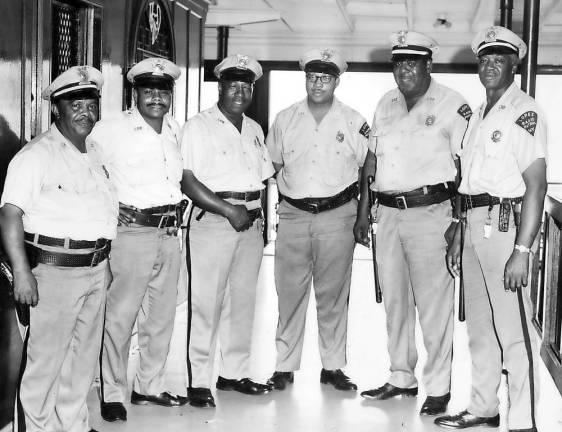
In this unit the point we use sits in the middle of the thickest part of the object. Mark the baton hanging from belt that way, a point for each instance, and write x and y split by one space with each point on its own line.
378 292
461 279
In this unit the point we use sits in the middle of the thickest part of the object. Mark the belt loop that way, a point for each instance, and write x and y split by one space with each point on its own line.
66 243
424 190
35 238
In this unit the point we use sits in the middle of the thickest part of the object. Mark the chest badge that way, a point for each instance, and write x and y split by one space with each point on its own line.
340 136
496 136
430 120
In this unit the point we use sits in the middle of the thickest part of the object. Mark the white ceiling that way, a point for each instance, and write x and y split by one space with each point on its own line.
283 29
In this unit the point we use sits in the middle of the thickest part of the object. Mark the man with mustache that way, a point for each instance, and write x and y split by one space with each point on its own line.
225 164
58 215
140 151
317 146
417 132
503 187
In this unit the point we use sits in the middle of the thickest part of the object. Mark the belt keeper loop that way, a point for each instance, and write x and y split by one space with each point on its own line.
36 239
425 190
66 243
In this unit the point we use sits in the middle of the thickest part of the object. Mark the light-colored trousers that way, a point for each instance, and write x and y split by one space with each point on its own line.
498 323
313 247
411 252
63 346
222 294
145 263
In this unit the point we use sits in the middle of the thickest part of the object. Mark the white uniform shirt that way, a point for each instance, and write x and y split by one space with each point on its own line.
144 166
417 148
61 191
499 147
221 157
319 160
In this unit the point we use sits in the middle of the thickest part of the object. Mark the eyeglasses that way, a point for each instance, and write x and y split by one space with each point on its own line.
324 79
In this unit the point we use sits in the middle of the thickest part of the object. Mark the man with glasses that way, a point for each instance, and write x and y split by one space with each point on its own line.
417 132
225 164
503 188
140 152
317 146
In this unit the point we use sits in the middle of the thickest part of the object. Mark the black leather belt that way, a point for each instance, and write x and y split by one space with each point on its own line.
37 255
243 196
424 196
166 208
485 200
158 221
318 205
65 242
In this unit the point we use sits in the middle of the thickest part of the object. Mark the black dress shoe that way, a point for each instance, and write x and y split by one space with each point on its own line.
388 391
465 420
244 385
524 430
113 411
338 379
279 380
164 399
200 397
434 405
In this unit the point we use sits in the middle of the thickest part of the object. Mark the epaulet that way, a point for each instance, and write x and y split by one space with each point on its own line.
365 130
528 121
465 112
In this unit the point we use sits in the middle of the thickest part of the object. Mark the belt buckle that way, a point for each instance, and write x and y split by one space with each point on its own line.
163 221
314 207
401 202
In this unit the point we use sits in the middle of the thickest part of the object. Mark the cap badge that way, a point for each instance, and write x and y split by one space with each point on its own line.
326 55
340 136
243 61
430 120
496 136
490 35
157 67
83 73
402 38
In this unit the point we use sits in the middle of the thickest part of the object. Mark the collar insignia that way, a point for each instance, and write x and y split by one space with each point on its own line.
496 136
430 120
340 136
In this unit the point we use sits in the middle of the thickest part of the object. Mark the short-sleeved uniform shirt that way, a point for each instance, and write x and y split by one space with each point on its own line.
144 166
418 147
318 160
221 157
501 146
61 191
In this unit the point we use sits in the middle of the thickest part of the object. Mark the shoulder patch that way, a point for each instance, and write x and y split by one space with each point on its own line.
465 112
528 121
365 130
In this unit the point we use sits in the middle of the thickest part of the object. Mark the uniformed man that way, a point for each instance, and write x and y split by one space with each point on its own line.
140 151
417 131
225 164
58 216
503 187
317 146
